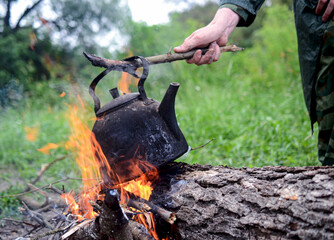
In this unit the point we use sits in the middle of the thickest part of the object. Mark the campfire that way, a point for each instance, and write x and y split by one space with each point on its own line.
108 194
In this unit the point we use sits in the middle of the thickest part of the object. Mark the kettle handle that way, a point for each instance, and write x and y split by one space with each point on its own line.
141 90
143 77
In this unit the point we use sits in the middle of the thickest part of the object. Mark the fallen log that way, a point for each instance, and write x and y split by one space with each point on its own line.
219 202
248 203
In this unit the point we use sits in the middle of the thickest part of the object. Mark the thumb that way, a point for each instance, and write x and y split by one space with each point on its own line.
182 48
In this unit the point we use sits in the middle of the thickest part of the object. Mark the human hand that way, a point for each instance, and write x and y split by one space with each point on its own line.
214 35
328 6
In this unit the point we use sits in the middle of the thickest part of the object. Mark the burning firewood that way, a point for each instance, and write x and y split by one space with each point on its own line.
112 222
139 232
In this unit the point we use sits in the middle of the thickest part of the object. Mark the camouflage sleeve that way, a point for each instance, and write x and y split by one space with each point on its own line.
238 10
246 9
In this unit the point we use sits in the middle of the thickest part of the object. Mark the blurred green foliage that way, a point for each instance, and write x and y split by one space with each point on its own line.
38 47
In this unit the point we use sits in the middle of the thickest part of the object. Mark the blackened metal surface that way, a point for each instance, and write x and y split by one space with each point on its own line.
133 133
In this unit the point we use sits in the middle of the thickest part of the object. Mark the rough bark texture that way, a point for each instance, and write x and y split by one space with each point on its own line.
249 203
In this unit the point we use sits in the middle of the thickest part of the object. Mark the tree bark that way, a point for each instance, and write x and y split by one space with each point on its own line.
248 203
6 19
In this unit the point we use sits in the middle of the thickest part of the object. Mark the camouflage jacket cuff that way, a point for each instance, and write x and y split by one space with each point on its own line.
238 10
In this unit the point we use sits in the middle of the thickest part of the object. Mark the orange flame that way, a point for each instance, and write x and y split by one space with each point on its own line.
79 142
83 208
148 222
126 81
46 149
83 142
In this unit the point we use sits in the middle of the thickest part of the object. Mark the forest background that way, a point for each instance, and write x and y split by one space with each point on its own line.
251 102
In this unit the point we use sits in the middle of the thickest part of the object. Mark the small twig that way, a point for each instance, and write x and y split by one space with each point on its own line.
35 229
57 227
147 206
33 203
40 191
166 215
37 217
52 232
44 209
46 167
56 190
77 227
48 186
139 205
202 146
19 221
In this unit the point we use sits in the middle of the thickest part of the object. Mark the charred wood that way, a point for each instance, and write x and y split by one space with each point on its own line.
139 232
112 222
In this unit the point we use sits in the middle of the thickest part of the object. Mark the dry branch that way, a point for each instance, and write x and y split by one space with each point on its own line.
49 186
46 167
138 205
166 215
52 232
36 216
130 65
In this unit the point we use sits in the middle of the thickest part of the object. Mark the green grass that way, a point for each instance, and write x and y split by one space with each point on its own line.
19 157
253 125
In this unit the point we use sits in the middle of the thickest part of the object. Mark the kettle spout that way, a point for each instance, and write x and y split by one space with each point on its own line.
167 110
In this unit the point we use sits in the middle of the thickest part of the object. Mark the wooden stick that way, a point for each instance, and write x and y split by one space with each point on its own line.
32 203
40 191
37 217
147 206
48 185
166 215
44 168
52 232
139 205
130 65
170 57
19 221
202 146
56 190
